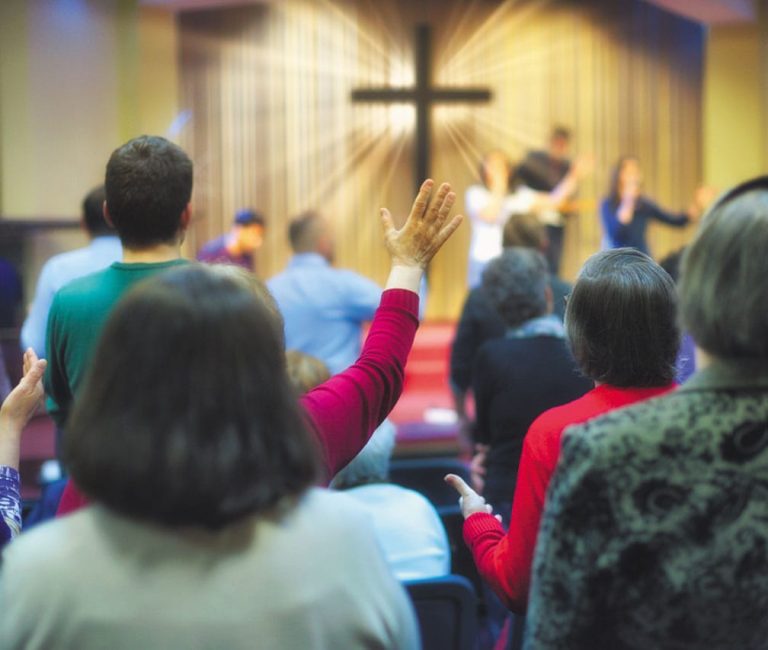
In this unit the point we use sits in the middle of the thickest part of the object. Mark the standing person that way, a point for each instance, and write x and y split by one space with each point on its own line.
653 533
625 212
345 410
103 249
621 325
519 376
489 206
324 308
543 171
240 244
205 529
148 187
480 321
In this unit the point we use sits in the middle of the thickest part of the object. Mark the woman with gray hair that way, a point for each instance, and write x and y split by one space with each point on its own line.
521 375
405 523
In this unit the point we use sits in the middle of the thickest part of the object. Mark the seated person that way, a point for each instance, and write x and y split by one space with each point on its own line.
526 372
305 371
653 533
406 524
17 409
189 440
621 326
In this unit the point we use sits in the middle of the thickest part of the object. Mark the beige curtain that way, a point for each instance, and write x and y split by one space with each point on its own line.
273 125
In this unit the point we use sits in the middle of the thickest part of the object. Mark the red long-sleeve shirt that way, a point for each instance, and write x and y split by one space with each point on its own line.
504 559
344 411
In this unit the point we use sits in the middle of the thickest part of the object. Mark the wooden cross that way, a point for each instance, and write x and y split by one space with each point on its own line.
423 95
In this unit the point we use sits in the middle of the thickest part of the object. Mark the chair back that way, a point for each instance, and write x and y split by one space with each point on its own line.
446 608
425 475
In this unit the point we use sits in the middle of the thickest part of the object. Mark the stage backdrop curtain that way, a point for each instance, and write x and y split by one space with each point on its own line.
271 124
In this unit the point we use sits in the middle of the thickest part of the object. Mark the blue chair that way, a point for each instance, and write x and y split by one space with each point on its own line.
425 475
446 608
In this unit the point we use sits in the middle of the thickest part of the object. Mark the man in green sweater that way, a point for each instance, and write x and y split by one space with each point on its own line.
148 189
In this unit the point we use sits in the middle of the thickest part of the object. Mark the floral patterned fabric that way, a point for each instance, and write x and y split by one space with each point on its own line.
655 530
10 504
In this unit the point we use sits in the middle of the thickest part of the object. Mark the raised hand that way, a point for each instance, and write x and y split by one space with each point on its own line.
425 230
470 501
22 401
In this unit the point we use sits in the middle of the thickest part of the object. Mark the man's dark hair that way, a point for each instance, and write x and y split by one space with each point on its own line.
303 230
93 213
186 417
148 185
516 284
724 276
621 320
560 133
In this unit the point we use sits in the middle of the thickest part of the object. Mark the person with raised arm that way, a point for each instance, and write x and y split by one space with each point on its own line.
343 412
17 409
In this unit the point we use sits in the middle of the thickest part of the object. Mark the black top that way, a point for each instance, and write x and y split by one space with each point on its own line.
480 322
515 380
541 172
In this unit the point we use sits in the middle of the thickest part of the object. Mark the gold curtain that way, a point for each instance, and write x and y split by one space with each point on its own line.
273 126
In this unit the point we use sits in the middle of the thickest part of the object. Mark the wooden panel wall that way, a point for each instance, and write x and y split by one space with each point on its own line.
273 127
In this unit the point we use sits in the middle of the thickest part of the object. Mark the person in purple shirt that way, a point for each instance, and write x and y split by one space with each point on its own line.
240 244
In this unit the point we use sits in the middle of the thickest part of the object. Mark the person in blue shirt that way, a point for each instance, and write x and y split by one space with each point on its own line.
625 213
324 308
103 249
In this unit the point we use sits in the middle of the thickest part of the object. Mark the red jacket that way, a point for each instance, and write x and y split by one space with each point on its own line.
504 559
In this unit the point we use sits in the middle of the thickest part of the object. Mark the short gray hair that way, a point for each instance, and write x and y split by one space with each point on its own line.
516 283
724 276
371 465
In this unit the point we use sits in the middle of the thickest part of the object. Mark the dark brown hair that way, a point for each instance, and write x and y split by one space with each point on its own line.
621 320
186 416
148 186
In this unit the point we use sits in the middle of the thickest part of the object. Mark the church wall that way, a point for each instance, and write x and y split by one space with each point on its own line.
273 125
736 102
77 78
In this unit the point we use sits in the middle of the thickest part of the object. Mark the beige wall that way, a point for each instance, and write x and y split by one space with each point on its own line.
735 144
76 80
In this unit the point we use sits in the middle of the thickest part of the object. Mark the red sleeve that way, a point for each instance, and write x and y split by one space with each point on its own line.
505 560
71 500
345 410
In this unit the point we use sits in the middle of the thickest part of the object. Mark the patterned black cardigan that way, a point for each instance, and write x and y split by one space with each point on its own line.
655 532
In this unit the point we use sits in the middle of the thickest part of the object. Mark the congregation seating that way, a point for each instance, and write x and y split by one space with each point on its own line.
446 609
